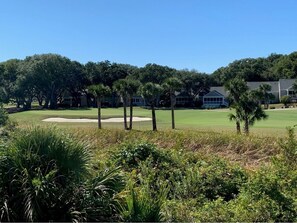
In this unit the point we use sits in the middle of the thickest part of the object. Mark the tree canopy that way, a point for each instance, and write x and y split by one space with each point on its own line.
48 78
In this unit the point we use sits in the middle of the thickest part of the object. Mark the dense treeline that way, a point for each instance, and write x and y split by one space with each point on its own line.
272 68
48 78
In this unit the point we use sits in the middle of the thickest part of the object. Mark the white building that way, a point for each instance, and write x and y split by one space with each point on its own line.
278 89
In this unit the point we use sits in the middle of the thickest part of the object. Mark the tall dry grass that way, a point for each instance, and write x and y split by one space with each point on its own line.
248 151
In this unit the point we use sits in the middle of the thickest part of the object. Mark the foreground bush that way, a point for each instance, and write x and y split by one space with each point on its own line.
45 177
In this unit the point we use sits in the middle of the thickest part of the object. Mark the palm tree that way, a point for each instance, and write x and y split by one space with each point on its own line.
264 95
132 88
127 88
150 92
237 118
171 85
99 91
236 88
247 108
120 86
250 111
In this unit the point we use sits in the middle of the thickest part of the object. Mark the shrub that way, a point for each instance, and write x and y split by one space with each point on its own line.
131 155
214 211
40 170
265 198
286 100
213 179
176 210
3 116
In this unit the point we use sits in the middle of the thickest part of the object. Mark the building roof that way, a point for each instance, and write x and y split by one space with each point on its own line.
214 94
255 85
220 89
285 84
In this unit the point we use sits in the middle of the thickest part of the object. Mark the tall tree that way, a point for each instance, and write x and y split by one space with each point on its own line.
132 88
150 92
171 85
127 88
154 73
49 73
120 86
99 91
236 87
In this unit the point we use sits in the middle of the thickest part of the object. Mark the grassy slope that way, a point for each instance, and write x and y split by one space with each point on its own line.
201 131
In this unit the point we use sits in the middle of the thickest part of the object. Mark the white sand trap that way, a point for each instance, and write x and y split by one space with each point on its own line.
77 120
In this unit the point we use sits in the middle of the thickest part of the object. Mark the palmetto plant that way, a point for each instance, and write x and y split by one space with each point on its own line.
39 171
141 206
98 198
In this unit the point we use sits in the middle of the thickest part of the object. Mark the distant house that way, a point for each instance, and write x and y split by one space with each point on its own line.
218 94
138 101
286 87
274 88
184 99
214 99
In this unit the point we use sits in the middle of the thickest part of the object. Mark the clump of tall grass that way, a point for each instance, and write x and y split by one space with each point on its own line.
248 151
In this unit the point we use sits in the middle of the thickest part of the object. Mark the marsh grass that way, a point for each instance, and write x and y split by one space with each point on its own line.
247 151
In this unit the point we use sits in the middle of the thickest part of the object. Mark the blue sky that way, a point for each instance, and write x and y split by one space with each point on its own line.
194 34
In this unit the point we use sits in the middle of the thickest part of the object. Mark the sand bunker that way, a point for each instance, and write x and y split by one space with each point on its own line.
77 120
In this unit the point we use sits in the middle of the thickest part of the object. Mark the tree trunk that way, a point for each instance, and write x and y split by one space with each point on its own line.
131 113
172 112
246 126
46 103
238 127
53 98
99 112
154 118
40 100
266 104
125 113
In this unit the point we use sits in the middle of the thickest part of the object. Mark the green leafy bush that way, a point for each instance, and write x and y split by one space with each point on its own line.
214 211
213 179
286 100
131 155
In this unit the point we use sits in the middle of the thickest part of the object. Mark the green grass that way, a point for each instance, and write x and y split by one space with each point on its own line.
207 120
